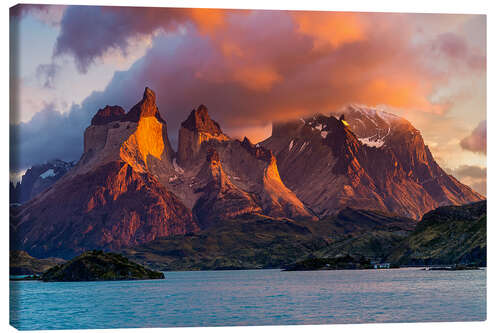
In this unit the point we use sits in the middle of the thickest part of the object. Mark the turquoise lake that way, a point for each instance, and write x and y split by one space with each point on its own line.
252 297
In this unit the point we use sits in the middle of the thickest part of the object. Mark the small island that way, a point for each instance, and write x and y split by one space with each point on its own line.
97 265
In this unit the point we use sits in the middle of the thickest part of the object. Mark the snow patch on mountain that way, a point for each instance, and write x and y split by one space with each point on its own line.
48 173
376 143
372 113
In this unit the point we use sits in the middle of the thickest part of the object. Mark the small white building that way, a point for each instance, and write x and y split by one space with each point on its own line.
382 265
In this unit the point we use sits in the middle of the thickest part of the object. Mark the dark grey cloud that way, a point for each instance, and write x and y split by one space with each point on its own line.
476 141
50 134
88 32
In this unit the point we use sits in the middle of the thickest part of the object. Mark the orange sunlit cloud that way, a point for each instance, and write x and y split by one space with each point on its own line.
368 61
257 78
330 28
406 93
208 19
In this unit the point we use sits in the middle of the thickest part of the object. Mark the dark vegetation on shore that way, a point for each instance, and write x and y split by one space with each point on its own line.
451 235
253 241
446 236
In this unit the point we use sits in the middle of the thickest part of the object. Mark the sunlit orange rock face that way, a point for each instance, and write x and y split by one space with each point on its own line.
147 140
379 161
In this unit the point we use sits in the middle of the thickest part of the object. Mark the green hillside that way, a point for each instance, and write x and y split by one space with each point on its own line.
447 235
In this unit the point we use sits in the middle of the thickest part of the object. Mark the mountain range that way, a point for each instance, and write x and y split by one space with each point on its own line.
130 187
36 179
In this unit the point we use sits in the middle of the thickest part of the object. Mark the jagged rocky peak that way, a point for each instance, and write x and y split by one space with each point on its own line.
108 114
342 142
200 121
195 131
315 131
145 108
257 151
372 125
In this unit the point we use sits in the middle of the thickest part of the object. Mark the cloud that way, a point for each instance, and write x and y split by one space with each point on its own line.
89 32
451 45
472 171
452 52
334 28
476 141
472 175
249 67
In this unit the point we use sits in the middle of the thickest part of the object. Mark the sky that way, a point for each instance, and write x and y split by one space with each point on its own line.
250 67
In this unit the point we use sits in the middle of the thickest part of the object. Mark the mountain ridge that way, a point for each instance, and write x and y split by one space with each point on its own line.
130 186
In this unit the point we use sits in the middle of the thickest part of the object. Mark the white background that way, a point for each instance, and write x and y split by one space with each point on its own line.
491 8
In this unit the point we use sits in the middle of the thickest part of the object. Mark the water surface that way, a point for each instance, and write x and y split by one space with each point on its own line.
252 297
